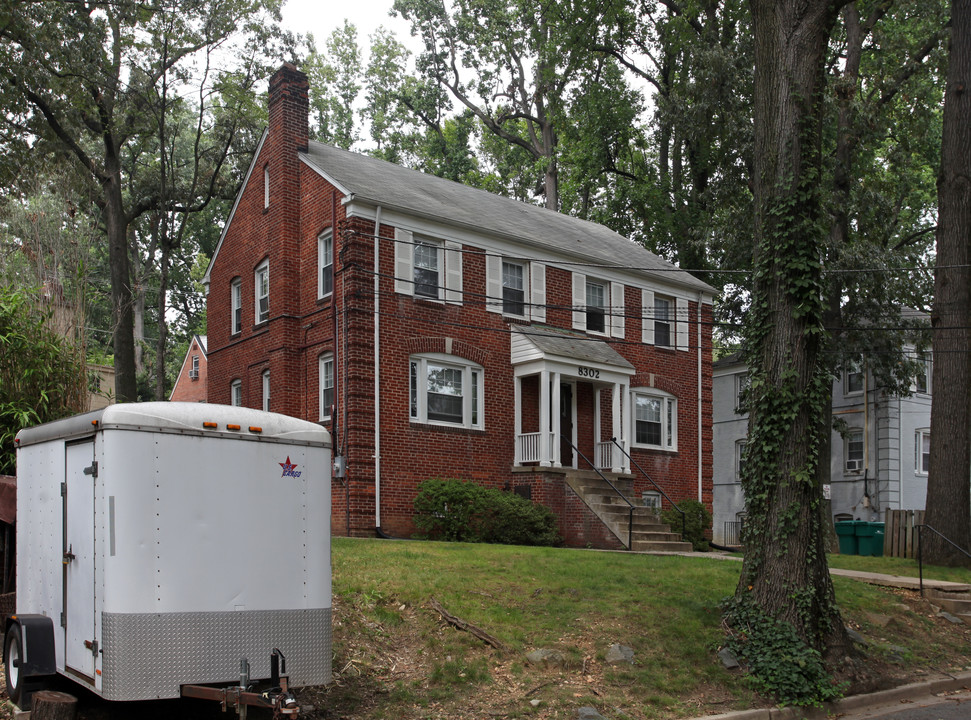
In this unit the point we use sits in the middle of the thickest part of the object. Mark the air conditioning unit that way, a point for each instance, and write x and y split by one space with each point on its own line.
854 465
193 374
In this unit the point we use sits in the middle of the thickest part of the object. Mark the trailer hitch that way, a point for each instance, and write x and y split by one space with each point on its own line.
240 697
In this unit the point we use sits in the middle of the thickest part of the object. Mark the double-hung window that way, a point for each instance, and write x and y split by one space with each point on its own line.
263 292
325 264
853 382
326 386
741 393
236 298
922 451
655 420
854 449
596 306
663 321
740 449
236 393
266 391
922 380
513 288
445 390
428 263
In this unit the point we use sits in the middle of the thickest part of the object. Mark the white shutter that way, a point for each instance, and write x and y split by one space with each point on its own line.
618 309
682 318
404 257
493 300
453 272
647 317
579 301
537 291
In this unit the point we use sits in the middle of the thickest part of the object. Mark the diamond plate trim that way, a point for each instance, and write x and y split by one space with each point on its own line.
150 655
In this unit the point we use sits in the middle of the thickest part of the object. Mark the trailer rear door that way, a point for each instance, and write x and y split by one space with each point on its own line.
79 637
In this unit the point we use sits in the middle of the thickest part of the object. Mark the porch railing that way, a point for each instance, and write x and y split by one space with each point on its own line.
531 447
604 455
684 524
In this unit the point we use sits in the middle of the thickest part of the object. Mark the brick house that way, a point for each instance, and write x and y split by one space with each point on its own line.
441 331
190 385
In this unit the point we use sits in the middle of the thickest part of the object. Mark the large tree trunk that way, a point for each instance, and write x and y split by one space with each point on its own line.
116 224
785 572
948 487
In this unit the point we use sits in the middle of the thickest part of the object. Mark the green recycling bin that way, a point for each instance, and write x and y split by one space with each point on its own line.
869 536
846 531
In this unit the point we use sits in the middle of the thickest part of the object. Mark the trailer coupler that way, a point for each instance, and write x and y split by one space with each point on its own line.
240 697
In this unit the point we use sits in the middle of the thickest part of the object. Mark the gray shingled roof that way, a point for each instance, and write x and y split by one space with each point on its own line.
393 186
563 343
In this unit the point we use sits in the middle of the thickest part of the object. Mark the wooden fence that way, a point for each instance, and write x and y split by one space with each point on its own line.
900 533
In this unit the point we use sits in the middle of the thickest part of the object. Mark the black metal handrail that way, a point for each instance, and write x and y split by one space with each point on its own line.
630 505
684 523
920 557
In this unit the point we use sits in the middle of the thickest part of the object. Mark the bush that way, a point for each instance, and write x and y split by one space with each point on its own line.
459 510
697 521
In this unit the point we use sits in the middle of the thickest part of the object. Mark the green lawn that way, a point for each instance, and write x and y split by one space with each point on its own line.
395 658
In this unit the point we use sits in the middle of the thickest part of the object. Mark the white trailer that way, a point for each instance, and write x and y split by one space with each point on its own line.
166 546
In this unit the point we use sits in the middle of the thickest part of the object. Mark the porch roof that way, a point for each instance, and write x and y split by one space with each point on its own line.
548 343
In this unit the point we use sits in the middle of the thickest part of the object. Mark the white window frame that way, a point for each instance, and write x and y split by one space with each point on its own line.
926 375
509 288
265 380
741 446
236 303
849 373
262 291
603 307
920 435
851 463
266 187
742 382
325 264
326 384
534 287
473 390
668 418
236 393
664 324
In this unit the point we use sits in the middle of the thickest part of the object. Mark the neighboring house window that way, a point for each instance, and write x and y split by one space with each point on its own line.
596 306
447 390
266 186
266 390
655 420
740 448
854 380
923 380
325 262
263 292
922 447
853 444
236 393
194 371
326 386
741 389
237 305
513 288
428 258
663 321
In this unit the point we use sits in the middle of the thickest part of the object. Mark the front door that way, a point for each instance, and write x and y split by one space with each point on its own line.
80 477
566 425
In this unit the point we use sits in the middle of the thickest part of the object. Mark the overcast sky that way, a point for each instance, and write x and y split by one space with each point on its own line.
322 18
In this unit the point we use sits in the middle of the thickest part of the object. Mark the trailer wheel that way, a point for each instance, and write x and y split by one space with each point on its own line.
13 654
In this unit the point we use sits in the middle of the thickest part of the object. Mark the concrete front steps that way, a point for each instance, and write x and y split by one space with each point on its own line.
647 534
956 601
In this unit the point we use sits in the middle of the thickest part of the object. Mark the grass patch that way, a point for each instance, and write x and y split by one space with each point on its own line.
395 657
898 566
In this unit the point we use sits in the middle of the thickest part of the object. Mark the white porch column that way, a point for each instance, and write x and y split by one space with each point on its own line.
596 425
555 417
615 454
625 426
545 452
517 395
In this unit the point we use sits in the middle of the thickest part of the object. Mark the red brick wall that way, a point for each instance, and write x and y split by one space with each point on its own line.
302 327
188 389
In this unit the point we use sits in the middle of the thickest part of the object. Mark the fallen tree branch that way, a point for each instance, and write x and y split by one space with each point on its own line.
466 626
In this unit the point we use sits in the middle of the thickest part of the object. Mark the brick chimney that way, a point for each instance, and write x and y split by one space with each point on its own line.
290 106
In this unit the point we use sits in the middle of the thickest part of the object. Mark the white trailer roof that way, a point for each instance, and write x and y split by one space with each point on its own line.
178 417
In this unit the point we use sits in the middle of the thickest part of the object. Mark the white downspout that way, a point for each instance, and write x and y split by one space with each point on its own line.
377 368
700 385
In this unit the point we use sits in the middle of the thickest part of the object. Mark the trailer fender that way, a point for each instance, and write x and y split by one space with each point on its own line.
37 644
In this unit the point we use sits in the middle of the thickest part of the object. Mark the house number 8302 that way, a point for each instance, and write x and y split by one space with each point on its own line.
589 372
